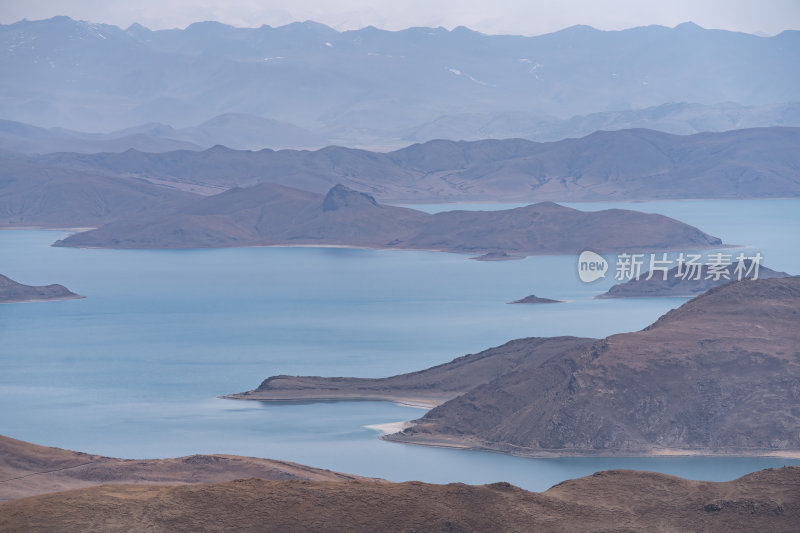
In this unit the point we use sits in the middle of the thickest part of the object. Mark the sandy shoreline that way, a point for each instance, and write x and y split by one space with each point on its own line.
473 255
30 301
417 403
558 454
46 228
390 427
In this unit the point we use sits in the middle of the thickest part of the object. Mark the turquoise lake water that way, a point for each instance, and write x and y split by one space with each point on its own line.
134 370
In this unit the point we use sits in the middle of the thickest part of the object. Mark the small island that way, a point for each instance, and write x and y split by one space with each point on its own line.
274 215
533 299
13 292
497 256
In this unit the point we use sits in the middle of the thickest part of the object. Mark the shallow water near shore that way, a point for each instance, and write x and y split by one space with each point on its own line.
134 369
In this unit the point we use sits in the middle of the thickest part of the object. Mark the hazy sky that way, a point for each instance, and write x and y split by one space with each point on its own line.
526 17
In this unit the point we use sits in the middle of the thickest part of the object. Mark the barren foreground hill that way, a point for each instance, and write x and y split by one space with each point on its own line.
27 470
607 501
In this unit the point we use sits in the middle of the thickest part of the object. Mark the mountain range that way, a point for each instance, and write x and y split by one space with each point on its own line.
241 131
363 83
671 117
235 130
619 165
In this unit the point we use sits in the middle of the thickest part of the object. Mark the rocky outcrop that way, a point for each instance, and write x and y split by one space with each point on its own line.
720 374
533 299
11 291
429 387
617 500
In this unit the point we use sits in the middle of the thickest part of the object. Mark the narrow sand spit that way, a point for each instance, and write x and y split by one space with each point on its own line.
390 427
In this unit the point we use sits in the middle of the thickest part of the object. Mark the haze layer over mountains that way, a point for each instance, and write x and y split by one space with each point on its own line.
306 85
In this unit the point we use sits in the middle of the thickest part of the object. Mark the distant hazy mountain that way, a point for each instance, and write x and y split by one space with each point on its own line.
38 195
248 132
69 189
19 137
269 214
96 77
628 164
234 130
677 118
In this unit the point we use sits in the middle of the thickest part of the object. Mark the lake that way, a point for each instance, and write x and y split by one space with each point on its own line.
134 370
